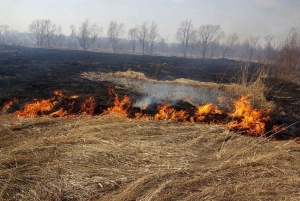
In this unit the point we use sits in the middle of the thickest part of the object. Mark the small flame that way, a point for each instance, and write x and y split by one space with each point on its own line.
8 104
165 112
203 111
37 108
88 106
247 118
120 107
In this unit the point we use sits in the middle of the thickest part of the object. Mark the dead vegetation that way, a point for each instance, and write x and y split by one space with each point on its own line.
104 158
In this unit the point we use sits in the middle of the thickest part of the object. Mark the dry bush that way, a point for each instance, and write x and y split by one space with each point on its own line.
250 82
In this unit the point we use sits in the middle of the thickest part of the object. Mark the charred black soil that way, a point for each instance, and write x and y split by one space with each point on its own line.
31 73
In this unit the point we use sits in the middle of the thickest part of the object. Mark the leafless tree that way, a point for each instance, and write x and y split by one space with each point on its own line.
3 30
132 37
229 43
207 35
142 33
152 37
59 37
251 45
185 36
288 62
269 48
114 34
37 29
86 34
49 30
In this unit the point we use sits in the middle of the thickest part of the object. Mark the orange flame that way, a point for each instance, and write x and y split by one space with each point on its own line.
88 106
8 104
44 107
120 107
37 108
247 118
203 111
165 112
244 117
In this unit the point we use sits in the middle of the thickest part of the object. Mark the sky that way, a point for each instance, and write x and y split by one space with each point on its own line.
245 17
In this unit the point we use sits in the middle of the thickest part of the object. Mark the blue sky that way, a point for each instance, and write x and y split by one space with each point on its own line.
246 17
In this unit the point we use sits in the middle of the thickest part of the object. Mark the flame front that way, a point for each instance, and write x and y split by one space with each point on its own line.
244 118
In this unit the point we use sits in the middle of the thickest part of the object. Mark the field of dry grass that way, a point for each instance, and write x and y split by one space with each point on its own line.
107 158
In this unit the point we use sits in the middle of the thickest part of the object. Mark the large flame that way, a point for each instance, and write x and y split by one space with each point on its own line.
245 118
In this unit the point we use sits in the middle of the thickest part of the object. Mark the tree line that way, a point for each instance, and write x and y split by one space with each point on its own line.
206 41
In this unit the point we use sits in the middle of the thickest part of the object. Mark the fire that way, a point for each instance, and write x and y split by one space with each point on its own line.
120 107
37 108
46 107
8 104
165 112
88 106
203 111
245 118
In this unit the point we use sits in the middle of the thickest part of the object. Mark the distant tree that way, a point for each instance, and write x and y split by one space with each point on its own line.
3 30
288 59
114 34
42 32
59 37
142 33
207 35
86 35
37 31
269 49
49 30
185 36
251 45
152 37
132 37
229 44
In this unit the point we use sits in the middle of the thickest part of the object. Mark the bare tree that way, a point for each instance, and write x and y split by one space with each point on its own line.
86 34
269 49
251 45
3 30
59 37
49 30
288 61
142 33
185 36
207 35
37 29
114 34
229 43
152 37
132 37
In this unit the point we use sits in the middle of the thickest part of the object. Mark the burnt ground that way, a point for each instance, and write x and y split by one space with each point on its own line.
29 73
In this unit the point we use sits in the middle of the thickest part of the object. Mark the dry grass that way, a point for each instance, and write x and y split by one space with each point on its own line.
104 158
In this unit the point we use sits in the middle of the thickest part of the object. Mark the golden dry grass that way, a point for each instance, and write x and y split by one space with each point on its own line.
106 158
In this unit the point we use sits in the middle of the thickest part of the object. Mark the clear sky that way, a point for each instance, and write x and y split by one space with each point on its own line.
246 17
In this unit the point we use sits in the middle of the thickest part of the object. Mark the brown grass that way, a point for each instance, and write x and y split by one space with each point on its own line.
104 158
